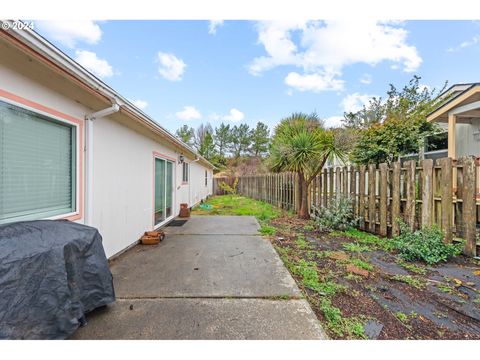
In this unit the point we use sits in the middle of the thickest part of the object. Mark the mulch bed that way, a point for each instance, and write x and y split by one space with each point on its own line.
443 303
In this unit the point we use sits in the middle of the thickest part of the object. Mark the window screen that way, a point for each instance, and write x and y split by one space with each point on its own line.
37 165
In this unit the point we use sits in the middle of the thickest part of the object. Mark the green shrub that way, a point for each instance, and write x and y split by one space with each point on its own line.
425 245
337 216
231 190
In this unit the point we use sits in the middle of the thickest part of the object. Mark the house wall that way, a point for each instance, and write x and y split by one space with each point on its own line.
123 160
124 183
466 144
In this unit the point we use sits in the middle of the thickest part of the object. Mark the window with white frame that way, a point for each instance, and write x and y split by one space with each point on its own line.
185 172
37 165
206 177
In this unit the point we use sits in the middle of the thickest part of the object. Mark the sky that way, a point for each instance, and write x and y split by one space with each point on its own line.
193 72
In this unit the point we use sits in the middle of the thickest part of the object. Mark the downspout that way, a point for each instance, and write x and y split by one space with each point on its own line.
89 120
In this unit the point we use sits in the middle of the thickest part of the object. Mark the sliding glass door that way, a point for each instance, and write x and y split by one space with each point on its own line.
163 190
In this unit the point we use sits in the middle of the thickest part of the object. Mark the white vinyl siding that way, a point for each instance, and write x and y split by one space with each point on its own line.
37 165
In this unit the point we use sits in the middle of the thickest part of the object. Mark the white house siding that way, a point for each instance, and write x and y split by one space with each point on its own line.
124 183
123 161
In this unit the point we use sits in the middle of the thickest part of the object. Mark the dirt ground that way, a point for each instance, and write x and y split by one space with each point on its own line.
376 290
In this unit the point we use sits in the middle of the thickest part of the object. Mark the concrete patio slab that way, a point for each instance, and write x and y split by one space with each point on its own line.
222 319
212 278
203 266
216 225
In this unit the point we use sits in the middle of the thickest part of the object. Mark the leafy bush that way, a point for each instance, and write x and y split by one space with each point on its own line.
337 216
425 245
231 190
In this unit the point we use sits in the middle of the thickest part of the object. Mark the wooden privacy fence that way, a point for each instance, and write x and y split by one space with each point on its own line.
446 193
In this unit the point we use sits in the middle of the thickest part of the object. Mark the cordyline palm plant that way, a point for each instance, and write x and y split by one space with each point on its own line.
302 145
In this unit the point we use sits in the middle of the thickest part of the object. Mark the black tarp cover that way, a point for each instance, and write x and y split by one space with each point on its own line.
52 272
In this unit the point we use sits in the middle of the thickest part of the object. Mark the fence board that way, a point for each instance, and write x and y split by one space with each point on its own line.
381 196
409 215
372 174
383 199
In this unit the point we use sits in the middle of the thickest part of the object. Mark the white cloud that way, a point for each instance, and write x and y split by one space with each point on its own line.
91 62
473 41
212 26
233 115
333 121
313 82
171 67
327 47
141 104
189 113
70 32
355 102
366 79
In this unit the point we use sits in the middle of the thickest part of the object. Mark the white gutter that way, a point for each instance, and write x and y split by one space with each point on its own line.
89 120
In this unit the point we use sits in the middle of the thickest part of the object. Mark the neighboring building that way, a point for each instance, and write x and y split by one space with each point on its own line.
73 148
460 116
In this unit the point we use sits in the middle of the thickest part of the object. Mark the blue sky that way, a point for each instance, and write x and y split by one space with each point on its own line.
189 72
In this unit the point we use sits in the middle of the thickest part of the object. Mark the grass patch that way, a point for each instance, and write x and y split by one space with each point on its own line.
410 280
267 229
352 327
362 264
445 288
412 267
301 243
370 240
355 247
238 205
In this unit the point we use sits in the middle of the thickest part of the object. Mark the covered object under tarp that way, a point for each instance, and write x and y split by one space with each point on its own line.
52 272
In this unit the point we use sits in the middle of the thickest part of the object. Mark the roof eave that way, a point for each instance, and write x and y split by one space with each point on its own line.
43 47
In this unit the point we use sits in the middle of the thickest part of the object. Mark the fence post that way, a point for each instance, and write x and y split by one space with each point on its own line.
395 212
469 206
427 192
447 197
361 196
411 194
372 174
383 198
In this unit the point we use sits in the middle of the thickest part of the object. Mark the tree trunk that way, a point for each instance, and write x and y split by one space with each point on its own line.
303 212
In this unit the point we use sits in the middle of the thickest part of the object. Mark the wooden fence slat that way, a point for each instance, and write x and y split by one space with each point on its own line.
345 181
447 198
409 215
372 174
353 184
468 204
331 186
361 196
427 192
325 188
395 207
338 183
383 198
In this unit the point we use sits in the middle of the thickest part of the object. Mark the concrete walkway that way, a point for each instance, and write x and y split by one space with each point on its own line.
211 278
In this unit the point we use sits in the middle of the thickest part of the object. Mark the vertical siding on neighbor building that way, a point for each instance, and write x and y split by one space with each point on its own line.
466 143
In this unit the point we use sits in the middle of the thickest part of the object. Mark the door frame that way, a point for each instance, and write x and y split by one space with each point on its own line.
166 158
